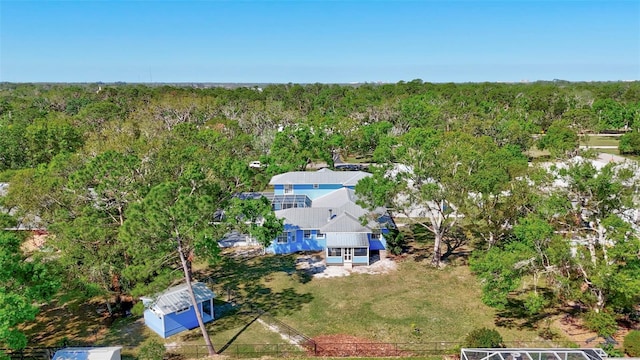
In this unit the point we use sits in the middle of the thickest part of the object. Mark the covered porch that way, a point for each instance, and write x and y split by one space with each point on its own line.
347 249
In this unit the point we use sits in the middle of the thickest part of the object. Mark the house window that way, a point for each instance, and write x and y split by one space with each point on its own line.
375 235
334 251
307 234
316 186
319 235
183 310
360 252
288 189
282 238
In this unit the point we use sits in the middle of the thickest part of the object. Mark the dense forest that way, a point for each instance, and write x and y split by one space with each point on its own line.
126 179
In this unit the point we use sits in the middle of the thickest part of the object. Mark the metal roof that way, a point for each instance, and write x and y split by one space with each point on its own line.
305 218
347 240
344 222
88 353
177 298
533 354
335 198
324 176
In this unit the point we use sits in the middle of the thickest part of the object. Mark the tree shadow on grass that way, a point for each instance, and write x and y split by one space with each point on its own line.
74 322
242 281
234 272
235 337
515 314
421 242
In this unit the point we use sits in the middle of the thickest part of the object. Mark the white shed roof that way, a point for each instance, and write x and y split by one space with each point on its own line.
88 353
177 298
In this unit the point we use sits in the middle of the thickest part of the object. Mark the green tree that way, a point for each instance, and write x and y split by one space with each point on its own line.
87 224
165 232
294 149
432 185
256 218
560 140
630 143
594 208
23 284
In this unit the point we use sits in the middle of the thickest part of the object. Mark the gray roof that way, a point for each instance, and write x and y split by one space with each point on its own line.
344 222
177 298
347 240
324 176
305 218
335 198
345 213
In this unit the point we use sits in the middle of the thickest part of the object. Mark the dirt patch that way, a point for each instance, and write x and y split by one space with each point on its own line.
572 328
347 345
81 324
35 242
314 265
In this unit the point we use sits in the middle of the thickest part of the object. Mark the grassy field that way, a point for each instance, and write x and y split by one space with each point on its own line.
444 304
599 140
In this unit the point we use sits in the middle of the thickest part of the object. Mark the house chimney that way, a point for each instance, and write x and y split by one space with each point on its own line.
330 215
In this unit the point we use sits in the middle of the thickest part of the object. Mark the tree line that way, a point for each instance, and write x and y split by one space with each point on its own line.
128 178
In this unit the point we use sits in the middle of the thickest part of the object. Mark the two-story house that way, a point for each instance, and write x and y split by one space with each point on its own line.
321 214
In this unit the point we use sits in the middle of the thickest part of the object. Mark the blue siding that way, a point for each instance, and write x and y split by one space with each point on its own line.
307 189
298 245
377 244
357 260
154 322
361 260
175 323
296 242
172 324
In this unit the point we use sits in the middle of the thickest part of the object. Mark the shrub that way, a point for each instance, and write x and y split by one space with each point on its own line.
630 143
612 351
151 350
601 322
632 343
483 338
395 241
138 309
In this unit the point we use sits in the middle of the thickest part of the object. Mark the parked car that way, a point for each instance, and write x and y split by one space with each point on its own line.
350 167
255 164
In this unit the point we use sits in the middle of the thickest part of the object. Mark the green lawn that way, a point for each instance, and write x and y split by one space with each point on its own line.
599 141
444 304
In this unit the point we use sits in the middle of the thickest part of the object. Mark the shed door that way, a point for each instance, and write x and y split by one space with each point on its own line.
206 308
347 255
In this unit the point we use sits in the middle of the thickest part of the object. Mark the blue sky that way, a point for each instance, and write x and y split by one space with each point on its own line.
318 41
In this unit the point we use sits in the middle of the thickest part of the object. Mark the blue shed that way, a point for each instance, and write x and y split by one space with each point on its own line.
171 311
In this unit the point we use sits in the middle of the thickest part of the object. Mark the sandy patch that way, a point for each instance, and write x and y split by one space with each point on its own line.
314 265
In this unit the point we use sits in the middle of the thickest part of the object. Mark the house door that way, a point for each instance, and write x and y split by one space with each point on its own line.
347 255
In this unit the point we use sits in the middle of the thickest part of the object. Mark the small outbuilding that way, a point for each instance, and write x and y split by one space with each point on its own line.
88 353
171 311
